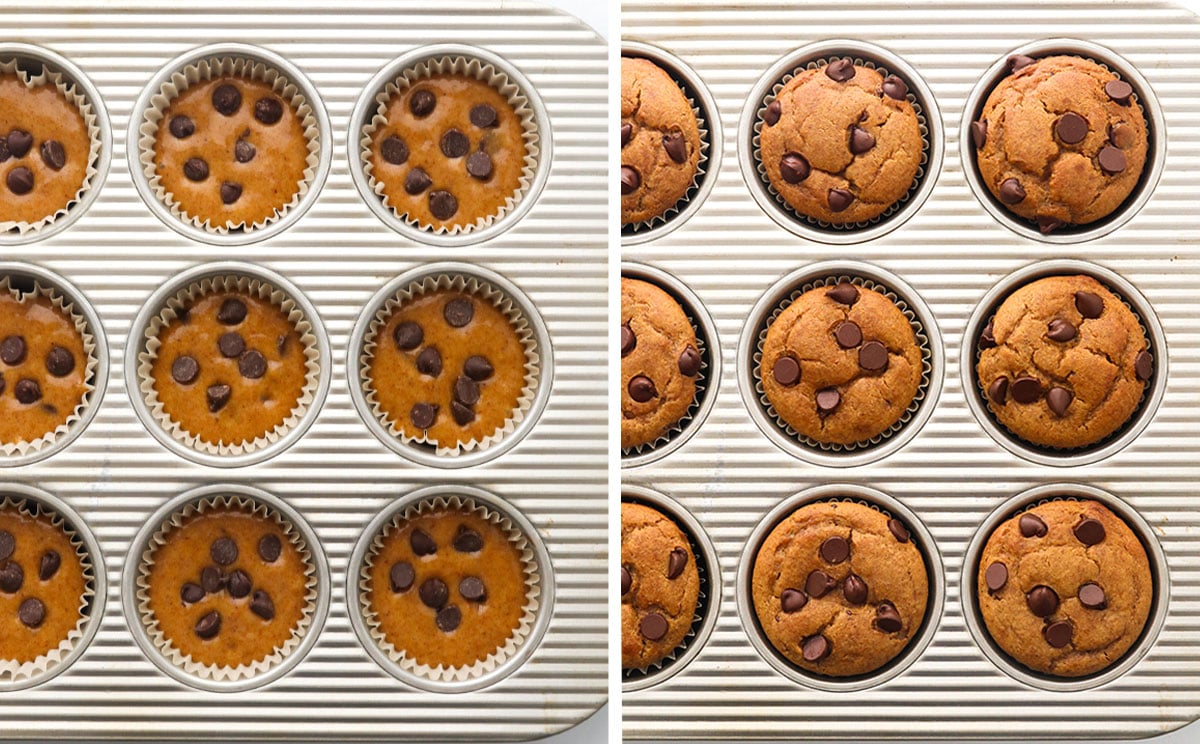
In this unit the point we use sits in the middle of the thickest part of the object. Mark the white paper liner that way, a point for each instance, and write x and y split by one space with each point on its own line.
12 671
206 70
761 169
67 308
80 101
469 285
918 331
469 67
520 635
184 299
212 672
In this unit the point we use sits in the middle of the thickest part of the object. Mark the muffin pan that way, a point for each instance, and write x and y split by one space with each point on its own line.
335 475
951 475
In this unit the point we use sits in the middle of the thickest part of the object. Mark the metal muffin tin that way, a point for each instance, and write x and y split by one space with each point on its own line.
952 475
337 476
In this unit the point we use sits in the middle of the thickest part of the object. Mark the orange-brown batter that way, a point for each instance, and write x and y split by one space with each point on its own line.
254 406
454 98
411 625
243 636
399 384
268 181
47 116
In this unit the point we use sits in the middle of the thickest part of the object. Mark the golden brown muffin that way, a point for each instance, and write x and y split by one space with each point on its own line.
42 584
451 153
228 587
1061 141
660 586
43 367
841 364
1064 362
447 587
660 141
448 368
659 363
841 143
230 369
839 588
1065 587
44 150
231 152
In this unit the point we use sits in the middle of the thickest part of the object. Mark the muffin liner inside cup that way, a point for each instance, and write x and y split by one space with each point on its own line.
470 67
75 96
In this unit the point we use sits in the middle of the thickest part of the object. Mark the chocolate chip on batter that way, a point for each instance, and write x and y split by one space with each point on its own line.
626 133
840 70
653 627
244 151
1119 91
421 543
1089 305
828 400
1059 634
262 605
59 361
394 150
421 103
479 165
230 192
894 88
19 142
854 589
1060 330
455 144
630 180
773 112
466 390
459 312
49 564
676 146
998 390
898 530
484 116
689 361
1089 532
191 593
996 576
1071 128
442 204
641 389
1143 365
7 544
467 540
676 562
268 110
848 334
472 589
433 593
1011 191
1026 389
1047 225
232 312
408 335
270 548
12 577
423 415
873 356
20 180
27 391
1059 399
401 576
794 167
626 581
182 127
417 181
429 361
32 612
860 140
1111 160
1019 62
462 415
987 337
793 600
54 155
4 152
815 648
887 619
1092 596
1042 601
1031 525
231 344
252 364
835 549
818 584
211 579
226 99
223 551
844 293
238 584
209 626
786 371
217 396
448 619
478 368
12 350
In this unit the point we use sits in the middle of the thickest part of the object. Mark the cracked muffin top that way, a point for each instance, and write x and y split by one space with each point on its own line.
1061 141
1063 363
841 143
660 141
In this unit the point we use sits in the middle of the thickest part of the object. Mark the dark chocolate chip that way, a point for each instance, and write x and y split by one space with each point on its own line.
59 361
676 562
987 337
794 167
1047 225
455 144
860 140
773 112
628 340
1019 62
818 584
653 627
408 335
1111 160
840 199
479 165
402 576
442 204
483 116
848 334
211 579
873 356
232 312
421 103
226 99
448 619
12 577
626 134
4 152
423 415
20 143
421 543
676 146
53 155
1119 91
786 371
466 390
793 600
20 180
689 361
887 619
845 293
32 612
462 415
472 589
630 180
828 399
1089 532
417 181
467 540
1060 330
208 626
217 396
1059 399
27 391
270 548
998 390
434 593
1042 601
238 584
626 581
1089 305
230 192
262 605
1071 128
49 565
1025 389
268 110
1143 365
894 88
840 70
979 131
243 151
1031 525
835 549
252 364
854 589
1059 634
191 593
1011 191
182 127
1121 135
231 344
394 150
223 551
898 530
12 350
477 368
7 544
1092 596
429 361
817 647
996 576
641 389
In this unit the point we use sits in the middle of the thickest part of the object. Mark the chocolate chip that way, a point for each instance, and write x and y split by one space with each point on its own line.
20 143
979 130
12 577
238 584
421 543
840 199
1011 191
448 619
455 144
230 192
845 293
479 165
898 530
467 540
226 99
211 579
7 544
217 396
1089 305
1047 225
1019 62
483 116
442 204
1121 135
252 364
417 181
996 576
689 361
462 415
472 589
1059 634
231 344
4 152
1059 399
262 605
270 548
232 312
408 335
477 368
626 581
1092 596
793 600
394 150
12 350
848 334
873 356
208 626
626 134
676 146
887 619
835 550
243 151
1042 601
815 648
987 337
182 127
786 371
1060 330
630 180
401 576
53 155
429 361
818 584
676 562
1031 525
49 565
641 389
1089 532
466 390
794 168
628 340
840 70
268 110
434 593
20 180
1143 365
854 589
653 627
1119 91
998 390
860 140
27 391
1071 128
773 112
32 612
421 103
1111 160
191 593
1026 389
894 88
223 551
59 361
423 415
828 399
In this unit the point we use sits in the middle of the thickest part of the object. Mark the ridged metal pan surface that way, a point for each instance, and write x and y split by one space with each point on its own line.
338 476
952 474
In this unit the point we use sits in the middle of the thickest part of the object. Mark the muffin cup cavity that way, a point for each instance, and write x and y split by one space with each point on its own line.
539 595
815 56
25 60
1156 134
197 67
1152 396
708 379
34 502
884 504
165 305
968 584
397 77
707 602
146 630
708 121
776 300
489 287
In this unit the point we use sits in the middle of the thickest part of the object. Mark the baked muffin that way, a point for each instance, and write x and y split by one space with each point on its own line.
1061 141
841 364
447 587
841 143
230 152
659 363
1063 363
839 588
448 368
660 141
1064 588
451 152
660 586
